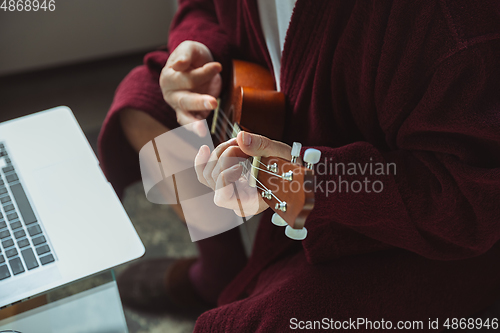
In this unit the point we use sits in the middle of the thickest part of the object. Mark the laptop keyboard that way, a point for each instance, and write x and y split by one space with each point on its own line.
24 246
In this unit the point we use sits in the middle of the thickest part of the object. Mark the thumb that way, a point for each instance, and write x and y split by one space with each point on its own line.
182 63
258 145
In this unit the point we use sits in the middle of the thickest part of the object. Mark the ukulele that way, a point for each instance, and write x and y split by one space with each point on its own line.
286 186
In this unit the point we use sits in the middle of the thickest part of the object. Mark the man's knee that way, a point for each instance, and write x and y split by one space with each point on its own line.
139 127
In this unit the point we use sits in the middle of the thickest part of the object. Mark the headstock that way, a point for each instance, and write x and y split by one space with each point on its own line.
288 188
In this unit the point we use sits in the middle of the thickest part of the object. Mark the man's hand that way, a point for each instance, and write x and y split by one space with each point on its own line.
221 169
190 83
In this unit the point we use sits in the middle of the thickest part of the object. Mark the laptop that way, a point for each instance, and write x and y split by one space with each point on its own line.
60 220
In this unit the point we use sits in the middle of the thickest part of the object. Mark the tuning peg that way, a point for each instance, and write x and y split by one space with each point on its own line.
297 146
311 157
295 234
278 220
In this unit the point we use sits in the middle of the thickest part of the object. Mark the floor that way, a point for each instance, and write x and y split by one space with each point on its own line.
88 90
163 234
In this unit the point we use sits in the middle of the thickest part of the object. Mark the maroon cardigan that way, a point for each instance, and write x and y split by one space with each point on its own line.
415 83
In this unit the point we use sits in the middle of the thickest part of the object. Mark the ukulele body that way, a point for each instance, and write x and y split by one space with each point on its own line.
252 102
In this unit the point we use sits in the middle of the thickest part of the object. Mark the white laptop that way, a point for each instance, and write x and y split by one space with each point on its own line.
60 220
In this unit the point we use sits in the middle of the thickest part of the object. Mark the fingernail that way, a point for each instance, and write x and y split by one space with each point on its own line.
203 150
217 69
208 105
246 138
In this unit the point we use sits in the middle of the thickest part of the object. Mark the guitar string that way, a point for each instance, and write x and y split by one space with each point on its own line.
256 186
222 130
225 117
227 133
265 188
246 178
217 133
263 164
220 134
233 127
269 172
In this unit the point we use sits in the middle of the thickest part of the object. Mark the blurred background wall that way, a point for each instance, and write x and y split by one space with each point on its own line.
76 55
81 30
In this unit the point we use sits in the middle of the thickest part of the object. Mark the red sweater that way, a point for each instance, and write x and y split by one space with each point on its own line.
405 82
